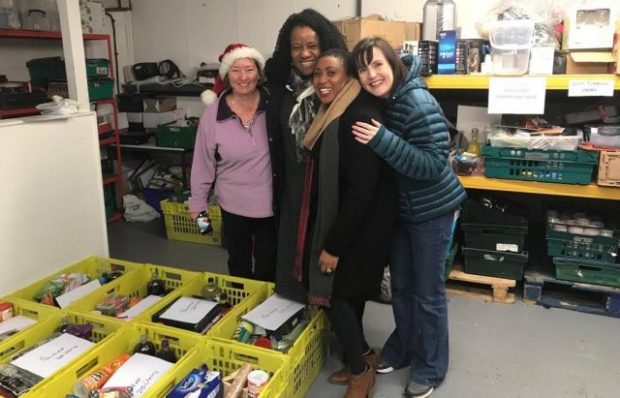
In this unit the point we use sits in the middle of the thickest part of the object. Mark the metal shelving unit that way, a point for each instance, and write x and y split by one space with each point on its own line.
112 141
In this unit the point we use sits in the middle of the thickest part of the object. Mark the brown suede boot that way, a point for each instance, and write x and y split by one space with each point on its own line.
361 386
343 375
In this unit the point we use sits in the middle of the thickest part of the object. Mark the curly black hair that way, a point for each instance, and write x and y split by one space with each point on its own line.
278 66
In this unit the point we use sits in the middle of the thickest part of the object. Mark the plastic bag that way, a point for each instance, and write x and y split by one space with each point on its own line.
58 106
138 210
546 16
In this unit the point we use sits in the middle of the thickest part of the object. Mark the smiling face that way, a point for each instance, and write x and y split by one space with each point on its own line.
329 78
305 49
377 76
243 76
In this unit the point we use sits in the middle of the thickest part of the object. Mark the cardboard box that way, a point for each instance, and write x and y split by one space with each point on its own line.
160 104
355 29
589 63
413 31
609 169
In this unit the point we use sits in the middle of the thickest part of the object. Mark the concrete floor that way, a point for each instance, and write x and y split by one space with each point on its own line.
497 350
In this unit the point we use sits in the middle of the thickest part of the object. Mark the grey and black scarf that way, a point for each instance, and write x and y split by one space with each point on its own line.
304 110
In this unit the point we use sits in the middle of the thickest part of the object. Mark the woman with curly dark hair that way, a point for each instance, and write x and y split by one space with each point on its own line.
292 108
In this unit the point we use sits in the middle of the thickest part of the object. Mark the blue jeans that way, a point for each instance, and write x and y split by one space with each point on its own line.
417 270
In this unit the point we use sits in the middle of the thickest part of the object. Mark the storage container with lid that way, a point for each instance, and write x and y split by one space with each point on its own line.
511 43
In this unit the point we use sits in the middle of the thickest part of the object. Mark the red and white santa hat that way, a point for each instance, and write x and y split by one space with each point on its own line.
232 52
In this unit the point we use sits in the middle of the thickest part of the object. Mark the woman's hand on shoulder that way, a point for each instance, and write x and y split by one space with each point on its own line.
364 132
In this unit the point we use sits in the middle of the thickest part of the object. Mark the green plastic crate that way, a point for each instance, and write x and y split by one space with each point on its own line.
44 70
586 271
493 263
568 167
97 89
495 237
173 136
585 251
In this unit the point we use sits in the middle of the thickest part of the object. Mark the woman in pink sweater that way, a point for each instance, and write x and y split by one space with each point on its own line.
232 156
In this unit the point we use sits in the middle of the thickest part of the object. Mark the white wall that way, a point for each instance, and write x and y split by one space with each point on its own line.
190 31
51 205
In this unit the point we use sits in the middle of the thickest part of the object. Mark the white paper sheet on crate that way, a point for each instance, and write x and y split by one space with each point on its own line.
142 306
51 356
18 322
139 372
189 310
273 312
65 299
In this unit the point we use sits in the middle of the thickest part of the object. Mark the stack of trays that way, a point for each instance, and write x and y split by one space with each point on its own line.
494 242
584 249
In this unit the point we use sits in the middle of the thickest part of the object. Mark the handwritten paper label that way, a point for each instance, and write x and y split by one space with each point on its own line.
51 356
273 312
139 372
517 95
189 310
65 299
591 88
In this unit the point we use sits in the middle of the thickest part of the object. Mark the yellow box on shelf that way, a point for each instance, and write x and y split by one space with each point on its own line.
225 358
35 311
92 266
240 293
102 331
122 342
134 285
306 355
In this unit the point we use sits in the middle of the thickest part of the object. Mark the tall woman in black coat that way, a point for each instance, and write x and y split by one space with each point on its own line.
351 215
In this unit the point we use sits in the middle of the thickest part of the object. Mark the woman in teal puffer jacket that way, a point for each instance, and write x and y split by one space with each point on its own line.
415 142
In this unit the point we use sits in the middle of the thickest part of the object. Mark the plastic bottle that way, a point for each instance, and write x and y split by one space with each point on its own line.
165 352
438 15
211 291
474 144
156 286
144 346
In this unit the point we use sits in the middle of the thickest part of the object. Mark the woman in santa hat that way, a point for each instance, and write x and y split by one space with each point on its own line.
232 156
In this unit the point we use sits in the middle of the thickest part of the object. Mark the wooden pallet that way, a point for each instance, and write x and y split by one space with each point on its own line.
487 288
542 288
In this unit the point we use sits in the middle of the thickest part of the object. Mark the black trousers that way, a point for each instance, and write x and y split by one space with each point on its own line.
346 318
248 238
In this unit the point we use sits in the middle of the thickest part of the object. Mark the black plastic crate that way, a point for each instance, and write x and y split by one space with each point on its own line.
493 263
503 238
22 100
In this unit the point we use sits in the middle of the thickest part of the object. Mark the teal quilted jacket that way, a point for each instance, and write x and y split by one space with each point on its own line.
415 142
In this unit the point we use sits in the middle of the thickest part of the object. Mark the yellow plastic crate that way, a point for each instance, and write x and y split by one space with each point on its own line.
102 332
224 357
134 284
93 266
306 355
36 311
120 343
180 226
241 294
